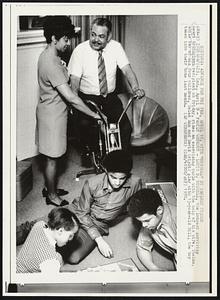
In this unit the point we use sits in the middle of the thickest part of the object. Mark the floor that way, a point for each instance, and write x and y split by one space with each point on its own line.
33 205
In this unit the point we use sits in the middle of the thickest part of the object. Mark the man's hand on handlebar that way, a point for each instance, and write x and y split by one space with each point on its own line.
139 93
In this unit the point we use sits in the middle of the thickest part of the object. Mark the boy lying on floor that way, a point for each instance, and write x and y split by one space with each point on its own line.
38 254
158 225
103 198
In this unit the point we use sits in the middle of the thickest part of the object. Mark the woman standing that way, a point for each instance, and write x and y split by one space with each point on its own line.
55 94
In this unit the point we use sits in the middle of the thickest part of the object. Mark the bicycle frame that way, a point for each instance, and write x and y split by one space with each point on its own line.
112 140
112 135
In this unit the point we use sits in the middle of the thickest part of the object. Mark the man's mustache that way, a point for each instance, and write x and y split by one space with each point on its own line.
96 43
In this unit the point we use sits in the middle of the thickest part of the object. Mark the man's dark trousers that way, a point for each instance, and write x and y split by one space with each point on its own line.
112 108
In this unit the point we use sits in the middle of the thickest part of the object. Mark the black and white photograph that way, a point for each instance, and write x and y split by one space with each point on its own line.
105 156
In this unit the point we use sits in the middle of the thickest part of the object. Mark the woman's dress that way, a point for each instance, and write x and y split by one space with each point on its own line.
51 131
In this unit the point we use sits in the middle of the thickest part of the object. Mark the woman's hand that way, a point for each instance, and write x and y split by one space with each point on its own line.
97 116
104 247
101 116
75 101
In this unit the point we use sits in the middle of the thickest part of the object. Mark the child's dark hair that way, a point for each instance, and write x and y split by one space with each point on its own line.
61 217
118 161
144 201
58 26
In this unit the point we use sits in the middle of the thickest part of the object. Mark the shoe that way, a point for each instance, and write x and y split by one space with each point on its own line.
60 192
62 203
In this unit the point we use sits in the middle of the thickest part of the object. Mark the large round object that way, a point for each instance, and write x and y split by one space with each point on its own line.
149 121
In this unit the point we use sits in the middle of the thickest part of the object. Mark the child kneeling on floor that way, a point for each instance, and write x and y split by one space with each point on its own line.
158 220
38 254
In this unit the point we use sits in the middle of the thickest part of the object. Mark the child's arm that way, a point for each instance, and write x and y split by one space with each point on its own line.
144 248
51 266
104 247
83 211
146 259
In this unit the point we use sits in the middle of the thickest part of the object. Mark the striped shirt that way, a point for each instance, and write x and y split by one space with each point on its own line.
36 250
164 235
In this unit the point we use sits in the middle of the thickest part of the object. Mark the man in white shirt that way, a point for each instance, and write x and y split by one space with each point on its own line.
84 69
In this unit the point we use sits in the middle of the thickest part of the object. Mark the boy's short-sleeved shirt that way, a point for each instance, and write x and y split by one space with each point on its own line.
164 235
36 250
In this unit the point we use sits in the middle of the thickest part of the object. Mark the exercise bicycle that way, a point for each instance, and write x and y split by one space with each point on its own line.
109 138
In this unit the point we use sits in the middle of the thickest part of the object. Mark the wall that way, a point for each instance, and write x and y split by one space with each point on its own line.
28 51
151 45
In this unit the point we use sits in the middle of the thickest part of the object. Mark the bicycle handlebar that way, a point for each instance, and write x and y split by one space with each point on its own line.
98 111
126 108
102 115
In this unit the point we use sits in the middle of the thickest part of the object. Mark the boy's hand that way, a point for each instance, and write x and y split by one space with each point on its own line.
104 247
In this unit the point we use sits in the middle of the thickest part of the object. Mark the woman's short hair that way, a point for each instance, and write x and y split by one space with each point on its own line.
144 201
58 26
103 22
118 161
61 217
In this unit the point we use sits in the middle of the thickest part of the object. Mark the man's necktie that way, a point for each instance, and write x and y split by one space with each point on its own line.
102 75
